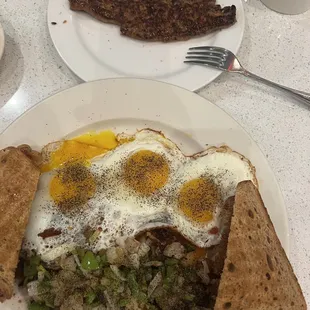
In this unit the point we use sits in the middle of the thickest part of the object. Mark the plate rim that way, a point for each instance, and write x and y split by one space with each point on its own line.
285 243
197 87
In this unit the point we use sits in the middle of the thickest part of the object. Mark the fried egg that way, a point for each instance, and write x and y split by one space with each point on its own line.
99 187
117 192
200 190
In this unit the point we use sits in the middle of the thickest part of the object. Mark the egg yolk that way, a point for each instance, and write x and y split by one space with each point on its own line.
104 139
72 187
81 148
146 171
198 199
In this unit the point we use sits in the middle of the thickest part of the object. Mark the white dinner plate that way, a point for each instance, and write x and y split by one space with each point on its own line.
2 40
94 50
125 105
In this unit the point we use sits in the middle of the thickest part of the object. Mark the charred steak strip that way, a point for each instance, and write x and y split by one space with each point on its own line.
160 20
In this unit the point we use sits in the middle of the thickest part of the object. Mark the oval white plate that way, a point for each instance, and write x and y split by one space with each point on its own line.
94 50
130 104
2 41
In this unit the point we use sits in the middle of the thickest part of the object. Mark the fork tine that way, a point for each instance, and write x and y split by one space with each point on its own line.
194 62
206 55
205 59
204 62
209 48
212 50
207 52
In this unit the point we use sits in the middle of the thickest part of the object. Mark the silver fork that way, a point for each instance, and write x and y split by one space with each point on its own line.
223 59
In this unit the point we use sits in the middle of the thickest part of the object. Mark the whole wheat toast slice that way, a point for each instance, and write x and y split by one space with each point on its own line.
19 176
257 274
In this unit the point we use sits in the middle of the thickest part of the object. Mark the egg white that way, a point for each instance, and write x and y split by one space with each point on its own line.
114 188
120 212
116 210
226 169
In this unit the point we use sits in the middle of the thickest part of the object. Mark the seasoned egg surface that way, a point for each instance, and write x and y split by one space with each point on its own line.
99 187
112 195
200 189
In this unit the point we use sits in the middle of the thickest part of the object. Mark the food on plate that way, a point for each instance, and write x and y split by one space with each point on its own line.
18 183
80 148
160 269
160 20
145 181
157 270
257 273
130 222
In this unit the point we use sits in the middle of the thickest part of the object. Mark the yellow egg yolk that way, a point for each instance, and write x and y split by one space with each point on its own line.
81 148
198 199
104 139
146 171
72 186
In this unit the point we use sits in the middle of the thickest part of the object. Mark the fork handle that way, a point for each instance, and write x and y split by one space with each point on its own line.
300 95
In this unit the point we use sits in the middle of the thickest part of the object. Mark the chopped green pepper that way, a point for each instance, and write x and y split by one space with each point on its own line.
30 267
44 271
89 261
171 261
41 268
142 297
104 260
133 284
90 297
189 297
108 273
171 272
123 302
170 276
80 252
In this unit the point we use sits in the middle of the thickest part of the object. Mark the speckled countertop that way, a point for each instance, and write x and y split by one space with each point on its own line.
274 46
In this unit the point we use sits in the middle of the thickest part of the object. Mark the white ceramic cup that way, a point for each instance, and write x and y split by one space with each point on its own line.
288 6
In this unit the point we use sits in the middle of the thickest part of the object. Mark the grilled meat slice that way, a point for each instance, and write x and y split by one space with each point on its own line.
181 22
108 11
160 20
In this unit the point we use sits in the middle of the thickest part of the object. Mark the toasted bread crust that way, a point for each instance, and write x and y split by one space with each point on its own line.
18 184
257 274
